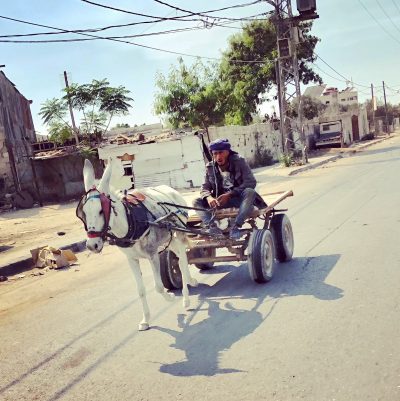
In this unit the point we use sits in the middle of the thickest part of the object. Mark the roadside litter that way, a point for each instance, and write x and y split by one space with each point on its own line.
52 258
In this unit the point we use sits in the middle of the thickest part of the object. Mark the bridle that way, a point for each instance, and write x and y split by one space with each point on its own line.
106 206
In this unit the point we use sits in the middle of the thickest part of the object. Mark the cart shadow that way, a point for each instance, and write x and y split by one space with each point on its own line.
204 341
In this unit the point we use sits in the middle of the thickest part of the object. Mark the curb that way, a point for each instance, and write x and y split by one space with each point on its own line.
25 263
315 165
339 156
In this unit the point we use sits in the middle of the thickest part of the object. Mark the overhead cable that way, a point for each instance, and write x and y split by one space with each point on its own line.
135 43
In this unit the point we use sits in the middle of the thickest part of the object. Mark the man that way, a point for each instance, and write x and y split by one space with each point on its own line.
229 182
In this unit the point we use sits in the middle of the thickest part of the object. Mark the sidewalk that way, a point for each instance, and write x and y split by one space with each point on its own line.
22 230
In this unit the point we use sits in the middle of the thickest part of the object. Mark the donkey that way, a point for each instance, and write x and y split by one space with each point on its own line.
106 215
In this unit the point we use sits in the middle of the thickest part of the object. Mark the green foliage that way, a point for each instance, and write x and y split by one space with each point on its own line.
59 132
380 112
53 110
247 84
229 92
262 158
190 95
87 152
311 107
286 159
97 101
96 121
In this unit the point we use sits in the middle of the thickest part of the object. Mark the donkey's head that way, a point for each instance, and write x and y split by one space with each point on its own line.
95 207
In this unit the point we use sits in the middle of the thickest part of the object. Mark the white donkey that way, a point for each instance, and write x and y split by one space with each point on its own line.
105 215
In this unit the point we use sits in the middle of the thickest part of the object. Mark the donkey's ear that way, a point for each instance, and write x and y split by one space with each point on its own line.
104 186
88 175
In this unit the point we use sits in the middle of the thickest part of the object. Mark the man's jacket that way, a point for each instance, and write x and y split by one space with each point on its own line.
241 176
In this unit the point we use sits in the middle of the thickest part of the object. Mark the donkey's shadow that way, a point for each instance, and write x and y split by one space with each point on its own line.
203 341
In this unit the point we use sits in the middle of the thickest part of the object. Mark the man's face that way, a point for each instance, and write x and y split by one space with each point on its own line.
221 156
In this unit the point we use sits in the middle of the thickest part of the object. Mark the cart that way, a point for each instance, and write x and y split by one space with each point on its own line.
266 240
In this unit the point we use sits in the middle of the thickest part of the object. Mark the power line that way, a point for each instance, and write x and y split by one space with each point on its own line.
134 43
204 14
377 21
179 30
397 6
178 18
387 15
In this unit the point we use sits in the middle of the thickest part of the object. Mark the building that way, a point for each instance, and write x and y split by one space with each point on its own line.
172 159
342 109
16 135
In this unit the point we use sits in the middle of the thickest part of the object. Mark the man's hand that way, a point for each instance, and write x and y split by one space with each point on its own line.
212 202
223 199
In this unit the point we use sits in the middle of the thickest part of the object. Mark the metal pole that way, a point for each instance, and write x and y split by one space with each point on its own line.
373 107
71 112
386 112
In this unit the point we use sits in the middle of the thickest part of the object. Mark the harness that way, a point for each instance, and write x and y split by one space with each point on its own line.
136 215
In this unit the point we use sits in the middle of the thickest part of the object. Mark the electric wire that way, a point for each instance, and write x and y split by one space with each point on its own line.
387 15
178 18
377 21
135 43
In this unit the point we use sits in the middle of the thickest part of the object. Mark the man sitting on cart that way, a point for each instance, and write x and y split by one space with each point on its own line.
229 182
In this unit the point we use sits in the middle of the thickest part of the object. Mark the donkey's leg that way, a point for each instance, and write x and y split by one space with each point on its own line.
158 285
179 248
134 265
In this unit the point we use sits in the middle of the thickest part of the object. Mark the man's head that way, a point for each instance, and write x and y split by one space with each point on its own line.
220 149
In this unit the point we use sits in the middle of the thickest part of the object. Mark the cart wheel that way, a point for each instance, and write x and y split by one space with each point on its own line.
170 273
283 237
204 253
261 256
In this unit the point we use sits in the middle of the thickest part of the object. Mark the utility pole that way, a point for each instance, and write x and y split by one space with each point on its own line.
373 103
71 112
287 65
386 112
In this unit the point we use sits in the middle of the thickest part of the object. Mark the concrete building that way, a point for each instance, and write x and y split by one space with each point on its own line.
342 109
16 135
175 160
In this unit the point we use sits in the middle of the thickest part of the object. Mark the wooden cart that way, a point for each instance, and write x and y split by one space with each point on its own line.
267 238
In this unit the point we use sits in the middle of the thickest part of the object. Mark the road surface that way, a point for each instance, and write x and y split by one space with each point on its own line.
326 328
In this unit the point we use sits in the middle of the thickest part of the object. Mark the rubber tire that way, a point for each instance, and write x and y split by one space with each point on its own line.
170 273
205 252
261 258
282 231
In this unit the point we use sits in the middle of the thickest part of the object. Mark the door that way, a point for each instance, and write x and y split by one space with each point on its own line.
354 125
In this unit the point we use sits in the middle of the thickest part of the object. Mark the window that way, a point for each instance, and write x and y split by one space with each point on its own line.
128 171
327 102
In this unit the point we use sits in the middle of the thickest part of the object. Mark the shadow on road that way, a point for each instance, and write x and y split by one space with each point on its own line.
204 341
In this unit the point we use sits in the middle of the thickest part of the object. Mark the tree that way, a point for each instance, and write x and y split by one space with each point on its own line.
97 101
380 112
248 83
190 95
311 108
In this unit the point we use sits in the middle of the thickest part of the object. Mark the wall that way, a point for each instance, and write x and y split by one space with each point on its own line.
16 134
248 139
178 163
61 178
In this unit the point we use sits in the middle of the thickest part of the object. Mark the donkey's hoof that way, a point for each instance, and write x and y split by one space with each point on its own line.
169 296
143 326
194 282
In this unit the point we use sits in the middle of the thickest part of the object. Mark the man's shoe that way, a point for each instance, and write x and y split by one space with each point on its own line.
235 233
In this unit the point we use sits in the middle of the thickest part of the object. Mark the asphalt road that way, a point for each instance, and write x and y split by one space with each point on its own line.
326 328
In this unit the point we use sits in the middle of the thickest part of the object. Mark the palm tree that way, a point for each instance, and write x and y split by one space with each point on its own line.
115 102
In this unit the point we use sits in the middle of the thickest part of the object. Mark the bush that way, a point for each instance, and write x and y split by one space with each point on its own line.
286 160
262 158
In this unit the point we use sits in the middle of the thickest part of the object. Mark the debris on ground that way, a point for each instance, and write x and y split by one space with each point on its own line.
53 258
3 278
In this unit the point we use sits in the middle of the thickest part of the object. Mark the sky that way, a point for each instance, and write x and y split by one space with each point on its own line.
359 46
